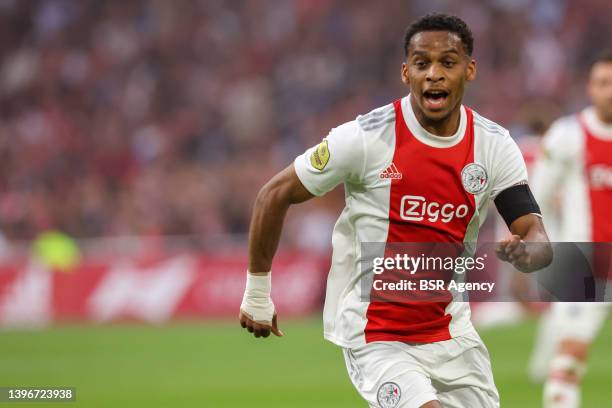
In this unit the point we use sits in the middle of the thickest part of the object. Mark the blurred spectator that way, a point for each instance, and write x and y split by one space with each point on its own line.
164 118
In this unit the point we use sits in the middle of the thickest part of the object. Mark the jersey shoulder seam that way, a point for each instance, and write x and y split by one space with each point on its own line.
377 118
488 125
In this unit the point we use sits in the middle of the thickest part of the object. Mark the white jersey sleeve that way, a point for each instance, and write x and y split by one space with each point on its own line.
509 166
556 162
339 158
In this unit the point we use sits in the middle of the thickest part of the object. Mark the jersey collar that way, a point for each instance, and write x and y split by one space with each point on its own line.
596 127
428 138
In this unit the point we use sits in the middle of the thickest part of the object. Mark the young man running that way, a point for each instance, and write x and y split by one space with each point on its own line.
421 169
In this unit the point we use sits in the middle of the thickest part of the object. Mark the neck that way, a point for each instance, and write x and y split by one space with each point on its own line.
446 126
603 118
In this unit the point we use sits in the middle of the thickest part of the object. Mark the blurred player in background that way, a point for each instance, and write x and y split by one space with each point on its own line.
538 116
427 150
577 159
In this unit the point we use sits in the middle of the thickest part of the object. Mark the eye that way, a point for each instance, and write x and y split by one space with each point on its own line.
448 63
420 64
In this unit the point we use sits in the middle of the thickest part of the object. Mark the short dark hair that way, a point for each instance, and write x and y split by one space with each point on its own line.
441 22
603 56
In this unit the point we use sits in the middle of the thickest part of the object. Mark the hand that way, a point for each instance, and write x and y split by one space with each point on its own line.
514 251
259 328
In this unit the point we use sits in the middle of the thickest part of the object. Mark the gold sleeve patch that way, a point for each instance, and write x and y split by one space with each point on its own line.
320 157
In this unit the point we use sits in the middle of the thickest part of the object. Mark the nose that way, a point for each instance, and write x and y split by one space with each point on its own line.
435 73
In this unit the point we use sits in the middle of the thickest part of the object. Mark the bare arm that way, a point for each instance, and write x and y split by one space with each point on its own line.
338 158
269 211
528 249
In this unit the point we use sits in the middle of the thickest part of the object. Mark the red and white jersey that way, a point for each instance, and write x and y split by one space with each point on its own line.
577 160
403 184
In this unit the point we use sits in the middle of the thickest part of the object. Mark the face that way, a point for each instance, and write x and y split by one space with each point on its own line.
436 69
600 90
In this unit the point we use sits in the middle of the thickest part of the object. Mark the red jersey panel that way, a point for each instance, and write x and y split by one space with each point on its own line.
428 204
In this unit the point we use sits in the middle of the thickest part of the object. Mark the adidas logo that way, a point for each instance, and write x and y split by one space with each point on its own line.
391 172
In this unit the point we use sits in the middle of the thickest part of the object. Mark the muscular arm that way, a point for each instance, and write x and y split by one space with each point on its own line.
528 249
338 158
269 212
257 313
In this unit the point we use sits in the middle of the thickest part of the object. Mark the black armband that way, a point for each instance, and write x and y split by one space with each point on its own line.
516 201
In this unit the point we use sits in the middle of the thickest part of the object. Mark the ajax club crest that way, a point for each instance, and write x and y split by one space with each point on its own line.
389 395
474 178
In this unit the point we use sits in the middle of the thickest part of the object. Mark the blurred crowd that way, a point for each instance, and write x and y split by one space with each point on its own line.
160 117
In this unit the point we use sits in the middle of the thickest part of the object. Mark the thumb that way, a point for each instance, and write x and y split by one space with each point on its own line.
508 239
501 245
277 332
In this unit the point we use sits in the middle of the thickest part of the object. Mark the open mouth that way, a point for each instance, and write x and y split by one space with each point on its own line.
435 98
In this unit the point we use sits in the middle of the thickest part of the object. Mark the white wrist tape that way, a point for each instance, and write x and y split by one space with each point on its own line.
567 364
256 300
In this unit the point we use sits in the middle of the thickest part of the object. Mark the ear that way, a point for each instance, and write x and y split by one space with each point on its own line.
471 70
404 73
